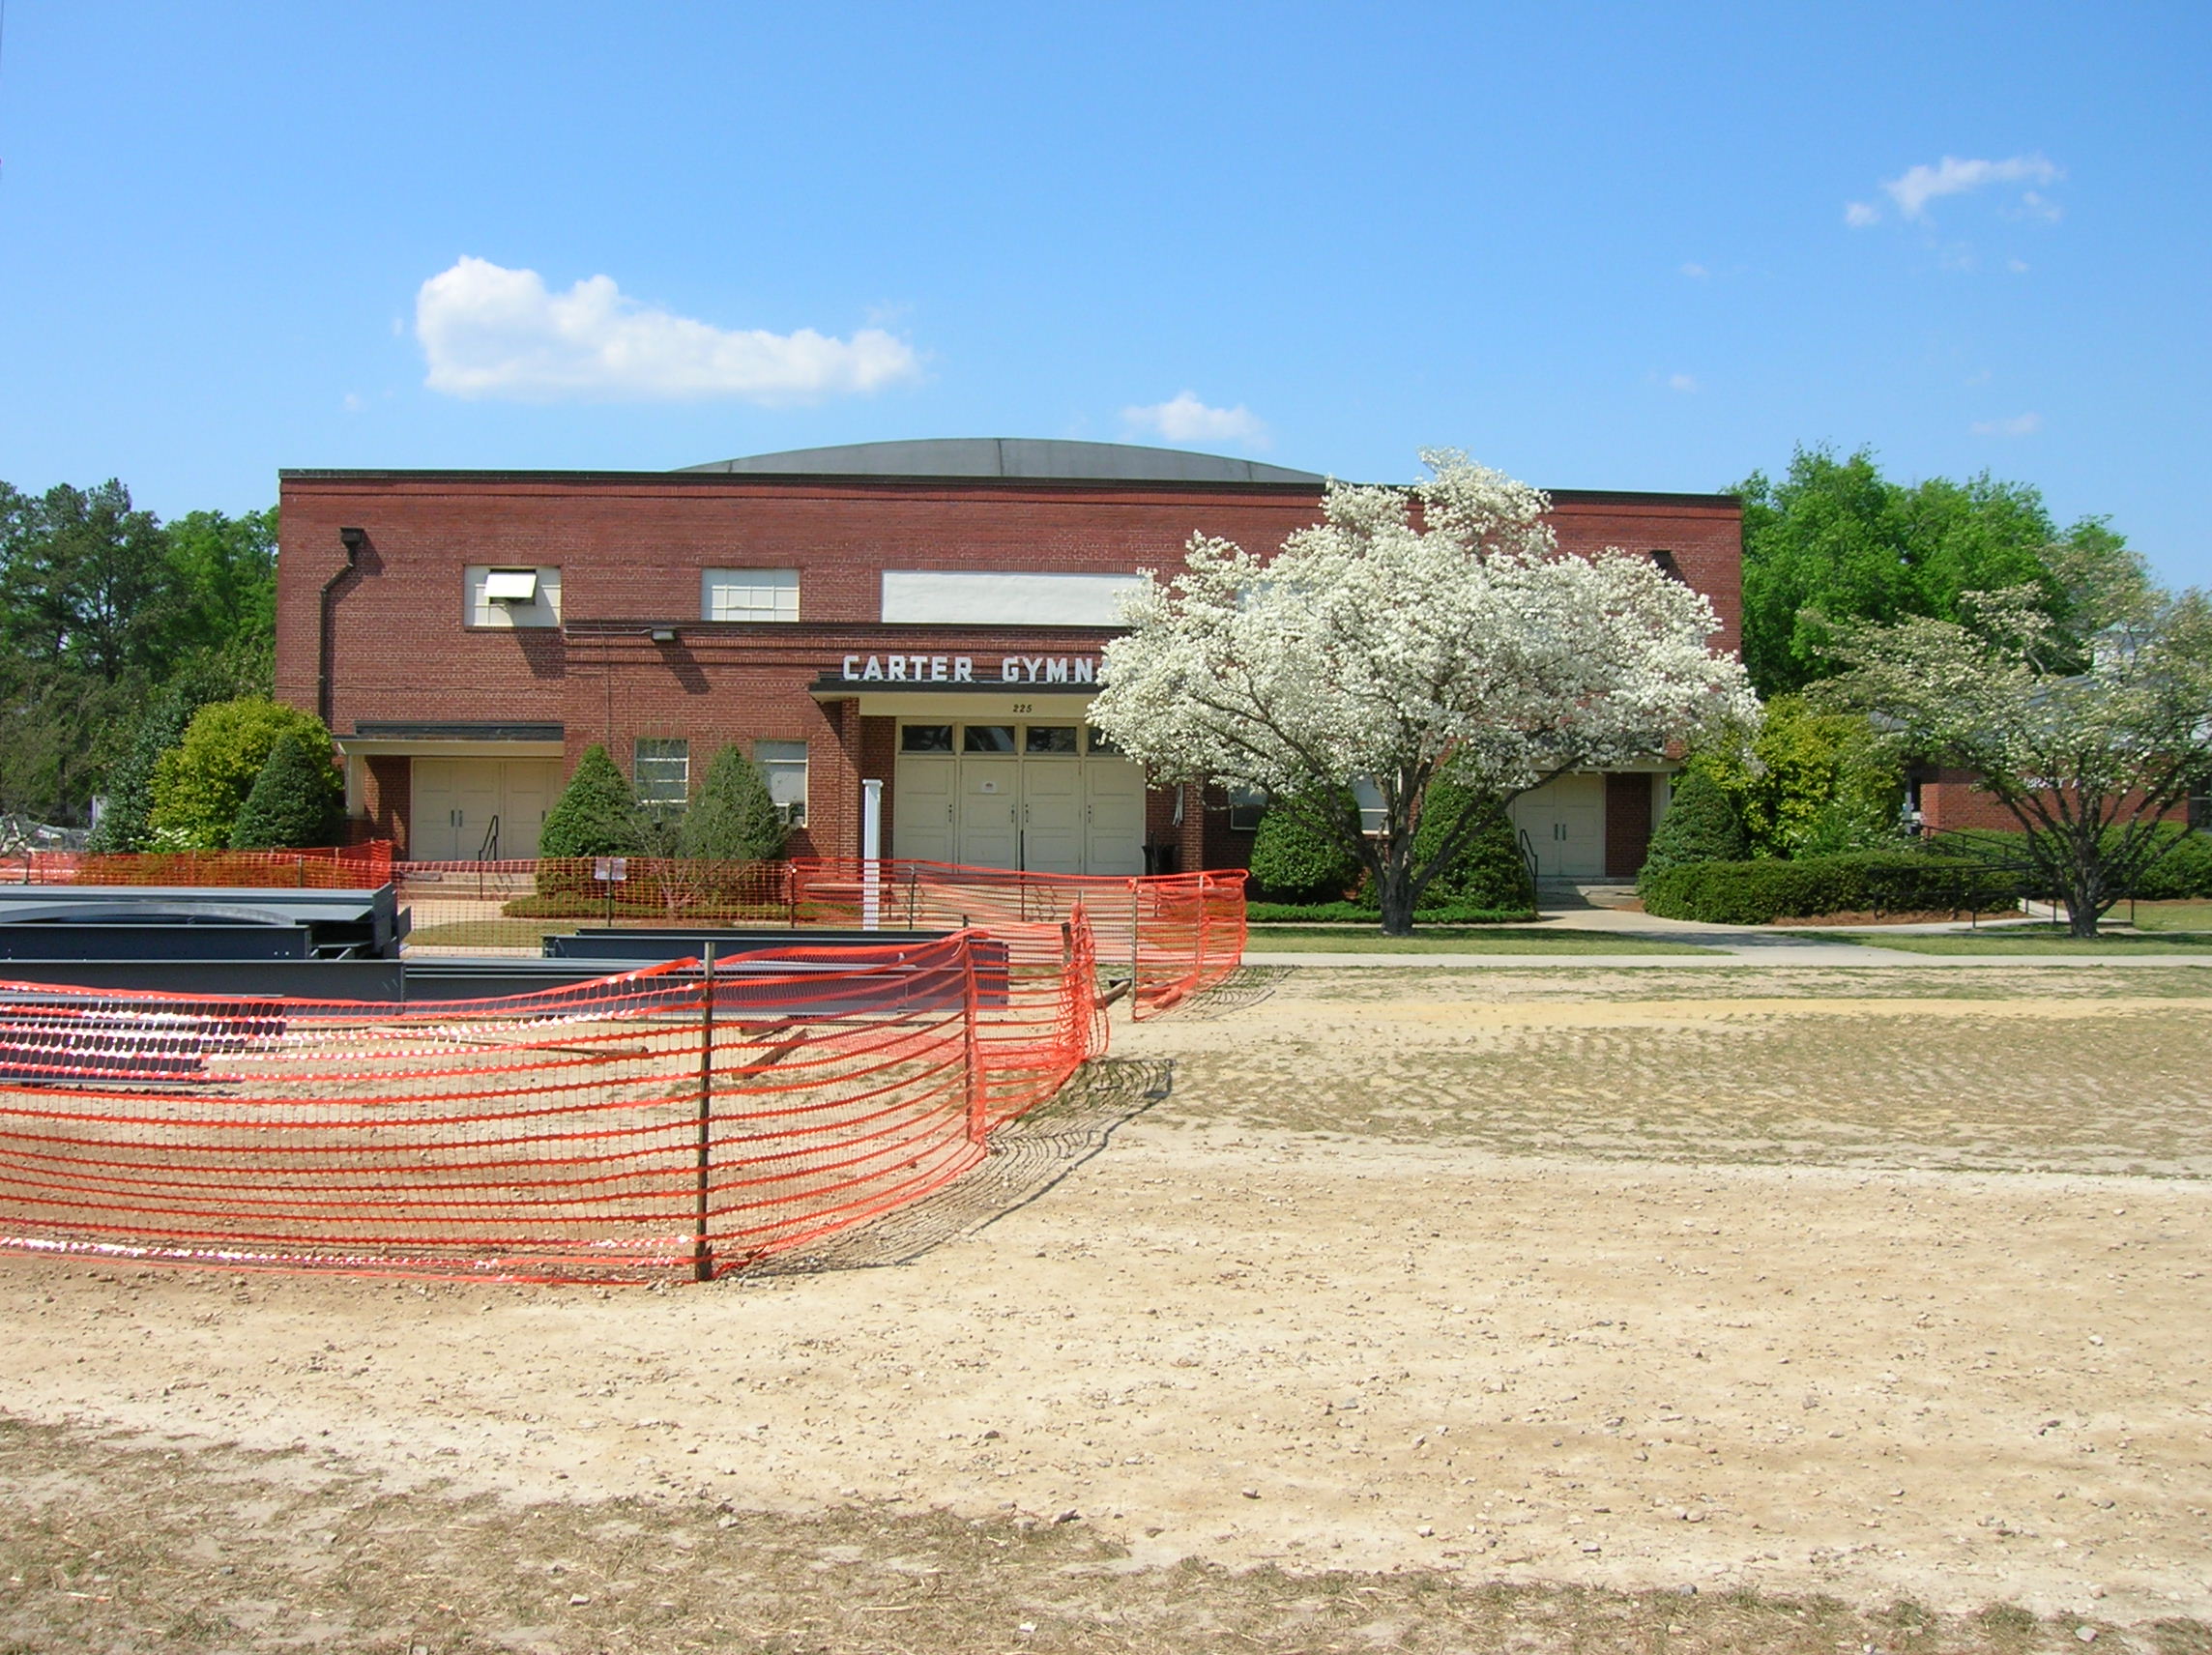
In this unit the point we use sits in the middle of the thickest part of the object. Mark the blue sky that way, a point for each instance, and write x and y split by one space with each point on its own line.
1619 246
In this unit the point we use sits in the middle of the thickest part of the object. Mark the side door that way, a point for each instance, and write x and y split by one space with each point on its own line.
1051 810
433 804
478 793
527 791
990 804
1114 817
923 807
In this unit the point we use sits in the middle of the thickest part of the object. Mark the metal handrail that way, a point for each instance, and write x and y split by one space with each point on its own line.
489 851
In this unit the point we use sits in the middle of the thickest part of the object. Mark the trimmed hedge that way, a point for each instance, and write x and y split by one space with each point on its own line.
1324 912
2184 871
1875 881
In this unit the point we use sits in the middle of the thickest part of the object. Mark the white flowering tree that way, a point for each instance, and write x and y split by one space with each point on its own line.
2086 747
1408 629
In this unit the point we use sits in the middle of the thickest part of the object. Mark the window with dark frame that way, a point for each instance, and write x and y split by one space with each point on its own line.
1246 805
925 737
660 768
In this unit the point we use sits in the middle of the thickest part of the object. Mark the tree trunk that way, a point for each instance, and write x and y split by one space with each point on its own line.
1394 890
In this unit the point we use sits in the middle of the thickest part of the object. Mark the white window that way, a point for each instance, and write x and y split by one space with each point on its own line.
512 595
785 764
662 769
1246 805
748 594
968 597
1369 797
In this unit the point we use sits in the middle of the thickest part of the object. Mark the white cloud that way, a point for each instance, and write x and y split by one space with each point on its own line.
1682 382
489 331
1917 185
1188 420
1696 272
2019 267
1858 215
2019 425
352 404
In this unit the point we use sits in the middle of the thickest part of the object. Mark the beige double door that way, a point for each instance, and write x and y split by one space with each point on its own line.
1046 814
460 809
1564 821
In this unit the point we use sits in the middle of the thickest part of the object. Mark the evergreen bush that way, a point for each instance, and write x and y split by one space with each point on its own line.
597 814
732 819
1701 826
200 785
296 800
1490 872
1292 862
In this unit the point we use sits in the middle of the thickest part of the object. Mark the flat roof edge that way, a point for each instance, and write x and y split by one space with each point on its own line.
870 480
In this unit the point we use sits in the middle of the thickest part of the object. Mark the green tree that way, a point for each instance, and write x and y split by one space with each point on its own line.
1701 826
732 819
225 571
597 814
1810 781
2086 758
125 823
1835 543
297 799
200 785
86 582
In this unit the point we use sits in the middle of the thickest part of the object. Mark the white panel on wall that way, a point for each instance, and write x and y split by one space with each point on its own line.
976 599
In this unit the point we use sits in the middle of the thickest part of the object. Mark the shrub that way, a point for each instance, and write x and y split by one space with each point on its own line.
597 814
1701 826
1292 862
1489 874
296 799
1367 913
200 785
1810 783
2183 870
733 819
1876 881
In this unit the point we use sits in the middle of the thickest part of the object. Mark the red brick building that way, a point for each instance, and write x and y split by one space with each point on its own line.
929 615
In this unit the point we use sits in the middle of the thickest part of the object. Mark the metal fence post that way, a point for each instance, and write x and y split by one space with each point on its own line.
702 1256
978 1120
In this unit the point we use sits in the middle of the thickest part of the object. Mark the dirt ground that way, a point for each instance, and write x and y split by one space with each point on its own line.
1350 1309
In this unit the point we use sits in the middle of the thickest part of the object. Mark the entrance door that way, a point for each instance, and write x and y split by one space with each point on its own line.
990 811
1052 815
1564 819
1114 816
454 803
528 790
923 807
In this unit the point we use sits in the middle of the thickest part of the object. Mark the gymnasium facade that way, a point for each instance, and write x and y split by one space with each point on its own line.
929 615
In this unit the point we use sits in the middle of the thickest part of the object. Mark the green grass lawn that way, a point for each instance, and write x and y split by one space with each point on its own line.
1452 939
2027 940
2167 915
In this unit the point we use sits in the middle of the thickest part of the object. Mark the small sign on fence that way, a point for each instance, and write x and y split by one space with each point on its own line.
610 870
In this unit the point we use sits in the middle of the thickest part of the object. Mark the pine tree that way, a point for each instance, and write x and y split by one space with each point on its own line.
295 801
597 814
733 819
1701 826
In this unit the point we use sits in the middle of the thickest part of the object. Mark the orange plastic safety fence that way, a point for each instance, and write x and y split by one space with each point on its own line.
624 1128
1172 934
342 867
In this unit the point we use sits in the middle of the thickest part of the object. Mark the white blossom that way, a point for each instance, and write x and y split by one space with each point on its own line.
1407 628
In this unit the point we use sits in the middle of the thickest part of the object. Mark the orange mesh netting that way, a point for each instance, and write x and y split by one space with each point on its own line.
1172 934
621 1128
344 867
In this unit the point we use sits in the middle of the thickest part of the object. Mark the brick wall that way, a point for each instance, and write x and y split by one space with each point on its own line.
630 548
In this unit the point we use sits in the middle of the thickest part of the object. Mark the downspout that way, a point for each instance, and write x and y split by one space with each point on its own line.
353 540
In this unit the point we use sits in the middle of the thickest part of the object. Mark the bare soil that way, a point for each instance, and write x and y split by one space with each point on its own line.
1350 1309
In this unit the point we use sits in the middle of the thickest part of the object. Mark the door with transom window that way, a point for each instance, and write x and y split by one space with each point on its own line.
1049 797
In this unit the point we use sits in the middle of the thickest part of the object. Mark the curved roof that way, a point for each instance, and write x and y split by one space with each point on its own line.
1014 457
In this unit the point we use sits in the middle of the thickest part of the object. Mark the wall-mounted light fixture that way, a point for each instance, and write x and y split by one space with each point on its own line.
662 634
